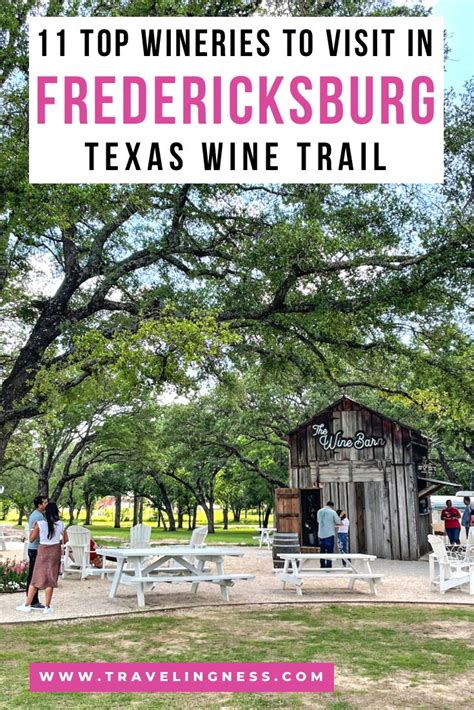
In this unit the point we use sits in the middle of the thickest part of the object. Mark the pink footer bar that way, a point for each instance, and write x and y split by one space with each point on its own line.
182 677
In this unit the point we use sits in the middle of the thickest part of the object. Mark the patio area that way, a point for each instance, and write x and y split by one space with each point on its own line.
403 582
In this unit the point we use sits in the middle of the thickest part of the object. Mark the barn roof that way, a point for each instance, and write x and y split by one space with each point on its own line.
359 404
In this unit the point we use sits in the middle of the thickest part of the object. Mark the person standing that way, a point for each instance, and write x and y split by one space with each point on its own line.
48 561
343 534
40 503
327 521
466 516
451 516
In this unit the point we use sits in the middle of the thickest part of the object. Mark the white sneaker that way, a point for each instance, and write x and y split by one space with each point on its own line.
48 610
24 607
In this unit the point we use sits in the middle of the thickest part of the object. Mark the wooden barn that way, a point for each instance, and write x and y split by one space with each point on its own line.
372 467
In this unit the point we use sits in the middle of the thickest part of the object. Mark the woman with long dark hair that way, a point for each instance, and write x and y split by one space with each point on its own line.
45 575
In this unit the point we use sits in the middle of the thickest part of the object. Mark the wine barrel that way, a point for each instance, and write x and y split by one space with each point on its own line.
284 543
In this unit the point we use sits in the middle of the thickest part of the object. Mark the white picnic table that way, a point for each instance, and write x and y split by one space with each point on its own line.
299 567
146 567
265 536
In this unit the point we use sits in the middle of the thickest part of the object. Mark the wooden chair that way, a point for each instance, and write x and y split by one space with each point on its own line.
447 572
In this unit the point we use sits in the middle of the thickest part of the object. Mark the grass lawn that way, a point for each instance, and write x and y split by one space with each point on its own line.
385 656
233 536
238 533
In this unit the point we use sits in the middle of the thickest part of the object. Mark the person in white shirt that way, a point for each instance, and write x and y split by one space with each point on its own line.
48 562
343 534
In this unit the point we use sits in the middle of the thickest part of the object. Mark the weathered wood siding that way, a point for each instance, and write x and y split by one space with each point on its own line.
386 504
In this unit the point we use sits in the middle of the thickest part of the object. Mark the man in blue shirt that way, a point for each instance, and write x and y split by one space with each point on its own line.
327 521
37 515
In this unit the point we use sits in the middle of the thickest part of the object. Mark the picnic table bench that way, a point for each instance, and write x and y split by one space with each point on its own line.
146 568
300 567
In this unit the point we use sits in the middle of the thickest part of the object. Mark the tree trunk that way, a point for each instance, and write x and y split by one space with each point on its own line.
88 513
236 512
6 432
70 502
5 509
21 515
450 473
266 517
225 517
163 521
209 511
140 511
190 522
135 509
168 506
194 516
118 509
180 514
43 483
58 488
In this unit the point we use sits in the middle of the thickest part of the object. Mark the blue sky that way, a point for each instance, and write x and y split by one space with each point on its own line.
459 23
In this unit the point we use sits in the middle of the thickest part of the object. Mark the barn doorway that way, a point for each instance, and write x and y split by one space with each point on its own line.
296 512
360 521
310 504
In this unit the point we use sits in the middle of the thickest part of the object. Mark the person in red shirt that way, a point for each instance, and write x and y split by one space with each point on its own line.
451 516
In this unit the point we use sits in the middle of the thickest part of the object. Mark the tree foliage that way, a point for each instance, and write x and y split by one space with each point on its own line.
112 293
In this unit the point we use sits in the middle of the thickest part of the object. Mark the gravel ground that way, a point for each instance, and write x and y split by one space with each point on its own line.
403 582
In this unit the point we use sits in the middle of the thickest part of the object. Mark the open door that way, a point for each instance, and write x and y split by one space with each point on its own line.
288 510
360 509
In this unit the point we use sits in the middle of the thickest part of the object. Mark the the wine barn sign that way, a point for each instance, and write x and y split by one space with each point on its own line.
330 442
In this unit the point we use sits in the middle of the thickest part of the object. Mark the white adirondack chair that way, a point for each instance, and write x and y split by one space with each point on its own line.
8 535
198 538
140 536
77 554
469 553
447 572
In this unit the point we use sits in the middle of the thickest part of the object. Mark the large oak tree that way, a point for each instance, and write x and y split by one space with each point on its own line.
323 277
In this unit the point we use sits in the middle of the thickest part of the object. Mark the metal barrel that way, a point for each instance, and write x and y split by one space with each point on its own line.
284 542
